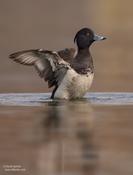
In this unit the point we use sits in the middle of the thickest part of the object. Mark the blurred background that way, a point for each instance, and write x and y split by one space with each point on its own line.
52 25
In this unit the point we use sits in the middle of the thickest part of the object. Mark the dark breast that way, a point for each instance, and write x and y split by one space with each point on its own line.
83 65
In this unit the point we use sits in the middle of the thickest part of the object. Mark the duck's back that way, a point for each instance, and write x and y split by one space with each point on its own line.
67 54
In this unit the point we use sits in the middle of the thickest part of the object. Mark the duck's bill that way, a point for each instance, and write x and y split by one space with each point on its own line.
99 38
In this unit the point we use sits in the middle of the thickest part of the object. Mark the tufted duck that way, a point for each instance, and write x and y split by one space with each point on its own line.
69 71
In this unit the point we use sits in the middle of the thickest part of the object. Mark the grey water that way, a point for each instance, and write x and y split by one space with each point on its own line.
91 136
36 99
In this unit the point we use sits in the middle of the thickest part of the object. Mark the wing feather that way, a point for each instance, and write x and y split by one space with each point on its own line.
48 64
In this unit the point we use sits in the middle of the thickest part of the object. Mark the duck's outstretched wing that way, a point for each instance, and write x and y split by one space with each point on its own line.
49 65
67 54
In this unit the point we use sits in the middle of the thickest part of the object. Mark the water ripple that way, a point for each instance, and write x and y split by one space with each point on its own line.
36 99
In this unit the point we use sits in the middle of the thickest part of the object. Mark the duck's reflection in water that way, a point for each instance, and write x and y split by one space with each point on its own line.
68 146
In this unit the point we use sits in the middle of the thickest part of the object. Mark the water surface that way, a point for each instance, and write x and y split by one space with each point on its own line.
40 136
36 99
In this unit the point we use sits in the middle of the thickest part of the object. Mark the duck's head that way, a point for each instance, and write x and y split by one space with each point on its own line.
85 37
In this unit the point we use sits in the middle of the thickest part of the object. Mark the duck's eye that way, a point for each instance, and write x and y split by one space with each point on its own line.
87 34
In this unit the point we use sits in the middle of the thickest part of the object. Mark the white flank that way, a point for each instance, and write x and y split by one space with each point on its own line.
74 85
